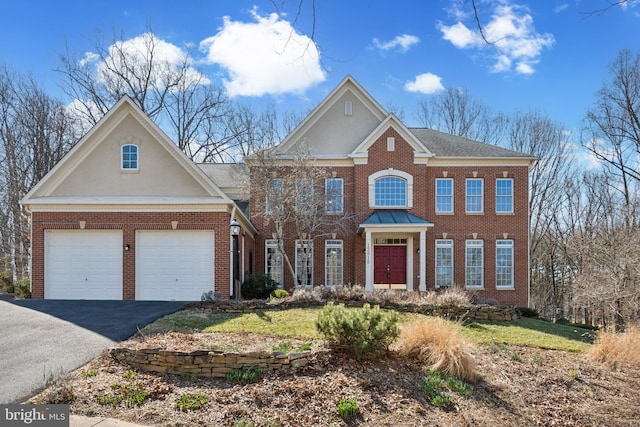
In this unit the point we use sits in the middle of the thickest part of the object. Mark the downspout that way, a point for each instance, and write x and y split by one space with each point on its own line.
233 215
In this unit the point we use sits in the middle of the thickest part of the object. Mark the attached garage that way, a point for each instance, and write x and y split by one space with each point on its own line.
83 264
174 264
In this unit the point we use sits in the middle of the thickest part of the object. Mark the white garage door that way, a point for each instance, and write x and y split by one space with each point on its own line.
174 265
83 264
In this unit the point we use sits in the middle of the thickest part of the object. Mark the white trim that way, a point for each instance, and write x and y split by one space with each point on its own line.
452 196
474 243
336 244
466 195
408 178
445 243
512 196
506 243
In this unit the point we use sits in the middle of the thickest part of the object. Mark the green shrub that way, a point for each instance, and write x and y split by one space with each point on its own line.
258 286
363 333
348 408
6 282
23 288
528 312
279 294
244 376
191 401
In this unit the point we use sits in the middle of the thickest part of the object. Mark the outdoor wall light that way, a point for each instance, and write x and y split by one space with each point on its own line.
127 247
418 250
235 227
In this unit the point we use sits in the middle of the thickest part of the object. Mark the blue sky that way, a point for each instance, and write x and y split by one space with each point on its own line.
547 56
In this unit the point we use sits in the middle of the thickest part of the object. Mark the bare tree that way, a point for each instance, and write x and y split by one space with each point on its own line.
161 79
456 112
294 205
35 132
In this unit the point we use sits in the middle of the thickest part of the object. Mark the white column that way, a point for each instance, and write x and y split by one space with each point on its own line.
423 261
368 266
409 266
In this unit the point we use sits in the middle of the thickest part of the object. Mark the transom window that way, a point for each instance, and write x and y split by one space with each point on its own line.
129 156
390 188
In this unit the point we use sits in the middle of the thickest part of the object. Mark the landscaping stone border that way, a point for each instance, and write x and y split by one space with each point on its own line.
218 364
205 363
472 312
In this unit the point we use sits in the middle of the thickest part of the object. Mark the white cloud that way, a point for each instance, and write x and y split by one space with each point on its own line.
129 58
263 57
560 8
89 57
514 43
403 42
426 83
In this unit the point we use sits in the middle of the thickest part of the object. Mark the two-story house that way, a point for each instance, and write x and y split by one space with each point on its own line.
126 215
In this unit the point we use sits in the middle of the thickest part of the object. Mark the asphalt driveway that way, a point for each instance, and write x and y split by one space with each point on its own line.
39 338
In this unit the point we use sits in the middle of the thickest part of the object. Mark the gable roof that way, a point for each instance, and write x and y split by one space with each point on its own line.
420 150
348 84
123 109
442 144
232 178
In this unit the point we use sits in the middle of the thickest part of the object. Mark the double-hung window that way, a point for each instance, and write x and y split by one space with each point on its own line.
129 157
504 195
474 196
444 263
334 195
275 190
474 264
504 263
444 195
304 195
333 267
274 262
304 263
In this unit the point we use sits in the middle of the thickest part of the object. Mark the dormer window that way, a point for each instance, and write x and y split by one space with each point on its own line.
391 189
129 156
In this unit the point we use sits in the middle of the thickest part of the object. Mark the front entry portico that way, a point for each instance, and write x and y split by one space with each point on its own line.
391 266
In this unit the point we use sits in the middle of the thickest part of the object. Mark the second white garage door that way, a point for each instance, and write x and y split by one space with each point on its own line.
174 265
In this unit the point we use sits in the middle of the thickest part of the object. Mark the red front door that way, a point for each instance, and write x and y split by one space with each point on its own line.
389 265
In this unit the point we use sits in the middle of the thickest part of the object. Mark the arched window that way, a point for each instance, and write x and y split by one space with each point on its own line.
129 156
390 189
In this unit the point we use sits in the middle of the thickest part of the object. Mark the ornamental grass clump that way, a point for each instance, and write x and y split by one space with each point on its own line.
439 344
617 349
363 333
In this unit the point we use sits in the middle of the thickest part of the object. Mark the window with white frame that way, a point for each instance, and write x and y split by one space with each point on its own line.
129 157
333 267
275 190
304 195
334 195
304 263
474 195
474 264
274 262
504 195
391 188
444 195
444 263
504 263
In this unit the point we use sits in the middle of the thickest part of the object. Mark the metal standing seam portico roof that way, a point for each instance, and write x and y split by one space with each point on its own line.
395 218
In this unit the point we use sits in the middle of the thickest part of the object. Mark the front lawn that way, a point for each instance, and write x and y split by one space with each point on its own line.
300 323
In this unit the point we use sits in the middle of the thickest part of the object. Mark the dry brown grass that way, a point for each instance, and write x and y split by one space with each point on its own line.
617 349
439 344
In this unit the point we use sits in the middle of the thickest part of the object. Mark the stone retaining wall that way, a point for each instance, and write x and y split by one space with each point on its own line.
217 363
208 363
472 312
